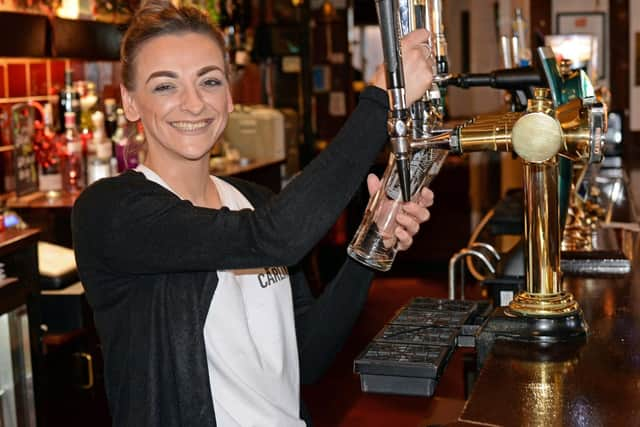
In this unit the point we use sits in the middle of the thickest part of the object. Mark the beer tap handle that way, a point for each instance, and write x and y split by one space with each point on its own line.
435 24
397 123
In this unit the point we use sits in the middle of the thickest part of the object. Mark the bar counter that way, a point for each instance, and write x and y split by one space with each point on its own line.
590 383
264 168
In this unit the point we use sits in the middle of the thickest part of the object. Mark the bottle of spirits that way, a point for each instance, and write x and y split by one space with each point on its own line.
121 140
73 163
110 117
50 178
69 99
98 160
88 102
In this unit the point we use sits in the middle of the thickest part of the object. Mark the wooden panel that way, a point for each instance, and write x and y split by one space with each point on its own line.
23 35
85 39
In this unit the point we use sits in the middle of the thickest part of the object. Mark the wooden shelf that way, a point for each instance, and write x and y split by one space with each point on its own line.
32 35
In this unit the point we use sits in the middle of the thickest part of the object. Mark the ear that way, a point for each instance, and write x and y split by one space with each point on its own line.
128 104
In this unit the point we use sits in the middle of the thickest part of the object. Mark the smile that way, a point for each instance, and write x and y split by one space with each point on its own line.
185 126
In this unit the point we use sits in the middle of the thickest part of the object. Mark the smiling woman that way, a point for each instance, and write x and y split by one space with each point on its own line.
204 314
183 106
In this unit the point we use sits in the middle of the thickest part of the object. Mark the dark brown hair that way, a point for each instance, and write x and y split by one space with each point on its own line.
159 18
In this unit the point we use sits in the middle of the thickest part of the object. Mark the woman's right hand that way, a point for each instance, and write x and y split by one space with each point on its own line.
417 63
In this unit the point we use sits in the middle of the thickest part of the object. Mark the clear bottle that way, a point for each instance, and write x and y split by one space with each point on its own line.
100 165
73 162
98 160
68 99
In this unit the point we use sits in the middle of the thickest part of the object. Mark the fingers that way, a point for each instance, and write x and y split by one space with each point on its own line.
412 212
410 217
405 240
421 35
373 184
418 64
425 198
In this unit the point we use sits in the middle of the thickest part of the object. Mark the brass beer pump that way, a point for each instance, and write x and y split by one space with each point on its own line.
538 136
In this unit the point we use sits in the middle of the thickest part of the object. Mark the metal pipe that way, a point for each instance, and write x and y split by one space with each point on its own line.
452 269
488 248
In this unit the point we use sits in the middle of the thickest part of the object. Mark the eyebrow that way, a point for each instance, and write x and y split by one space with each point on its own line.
171 74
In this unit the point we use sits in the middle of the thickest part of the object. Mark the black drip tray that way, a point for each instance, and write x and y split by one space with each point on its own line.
432 304
409 354
418 335
399 368
402 359
431 318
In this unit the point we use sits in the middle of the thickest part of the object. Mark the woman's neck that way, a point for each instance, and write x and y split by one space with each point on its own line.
189 179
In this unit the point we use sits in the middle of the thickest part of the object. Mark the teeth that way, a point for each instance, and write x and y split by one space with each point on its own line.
190 126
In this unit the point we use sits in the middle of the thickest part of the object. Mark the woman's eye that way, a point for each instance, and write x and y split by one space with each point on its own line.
211 82
163 87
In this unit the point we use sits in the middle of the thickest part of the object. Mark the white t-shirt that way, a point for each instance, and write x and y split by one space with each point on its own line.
250 339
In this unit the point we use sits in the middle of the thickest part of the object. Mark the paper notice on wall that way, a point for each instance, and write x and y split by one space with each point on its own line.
337 104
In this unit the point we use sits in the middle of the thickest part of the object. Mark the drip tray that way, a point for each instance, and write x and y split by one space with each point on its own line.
410 353
399 368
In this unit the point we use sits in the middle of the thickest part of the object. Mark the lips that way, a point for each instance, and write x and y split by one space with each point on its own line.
191 126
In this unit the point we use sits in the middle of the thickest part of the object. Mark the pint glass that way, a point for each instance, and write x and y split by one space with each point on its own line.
374 244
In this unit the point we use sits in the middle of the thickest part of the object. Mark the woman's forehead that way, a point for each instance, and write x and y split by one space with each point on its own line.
173 51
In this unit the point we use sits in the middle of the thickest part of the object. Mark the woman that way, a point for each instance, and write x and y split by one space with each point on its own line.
204 317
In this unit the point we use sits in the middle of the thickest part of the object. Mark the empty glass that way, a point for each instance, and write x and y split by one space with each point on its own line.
375 244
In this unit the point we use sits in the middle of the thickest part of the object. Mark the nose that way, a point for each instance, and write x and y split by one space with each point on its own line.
192 101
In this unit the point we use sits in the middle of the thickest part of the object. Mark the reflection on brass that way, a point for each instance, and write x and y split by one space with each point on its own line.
541 228
580 225
530 304
486 136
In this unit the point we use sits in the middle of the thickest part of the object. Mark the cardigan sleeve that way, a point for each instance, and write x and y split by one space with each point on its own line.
141 228
323 324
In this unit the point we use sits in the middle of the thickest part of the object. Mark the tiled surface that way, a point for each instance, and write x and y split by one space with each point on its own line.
17 80
38 78
57 68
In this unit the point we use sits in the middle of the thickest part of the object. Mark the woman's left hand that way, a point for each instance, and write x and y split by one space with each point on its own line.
410 216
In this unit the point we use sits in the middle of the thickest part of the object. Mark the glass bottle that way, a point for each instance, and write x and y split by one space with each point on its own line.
50 178
120 140
69 99
110 117
73 163
98 160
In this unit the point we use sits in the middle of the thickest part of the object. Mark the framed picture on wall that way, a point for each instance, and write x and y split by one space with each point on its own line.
592 23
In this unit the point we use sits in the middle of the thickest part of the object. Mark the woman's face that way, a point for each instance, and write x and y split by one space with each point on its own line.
181 96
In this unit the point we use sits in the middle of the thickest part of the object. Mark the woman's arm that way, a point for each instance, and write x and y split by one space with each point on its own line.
323 324
145 229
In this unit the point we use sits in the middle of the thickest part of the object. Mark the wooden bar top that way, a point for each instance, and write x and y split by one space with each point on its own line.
12 239
595 382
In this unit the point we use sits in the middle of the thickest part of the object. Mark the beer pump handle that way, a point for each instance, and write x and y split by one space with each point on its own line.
397 123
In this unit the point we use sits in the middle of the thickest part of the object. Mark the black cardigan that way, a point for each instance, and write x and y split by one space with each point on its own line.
148 263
